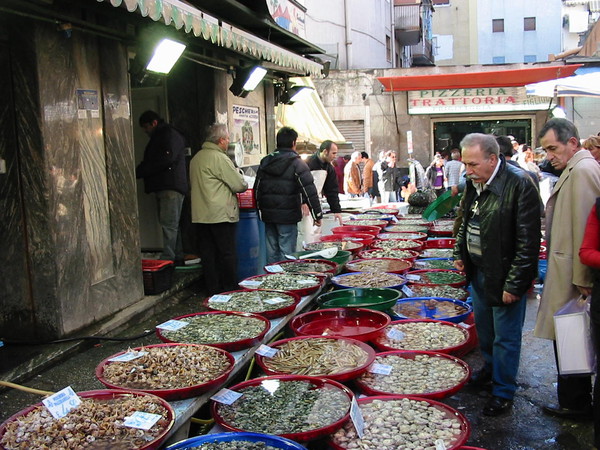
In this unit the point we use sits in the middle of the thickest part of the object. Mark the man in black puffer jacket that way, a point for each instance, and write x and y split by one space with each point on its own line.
498 246
283 185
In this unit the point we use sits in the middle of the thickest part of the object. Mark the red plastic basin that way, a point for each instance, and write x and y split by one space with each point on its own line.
365 238
390 265
405 244
412 235
440 243
373 253
259 306
356 229
356 323
424 282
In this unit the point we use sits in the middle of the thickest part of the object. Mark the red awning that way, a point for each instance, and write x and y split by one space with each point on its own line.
495 78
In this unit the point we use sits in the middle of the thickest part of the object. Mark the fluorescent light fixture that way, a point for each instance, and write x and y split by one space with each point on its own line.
297 93
246 80
166 54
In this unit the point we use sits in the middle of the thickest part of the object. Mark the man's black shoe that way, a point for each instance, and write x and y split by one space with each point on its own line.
481 378
567 413
496 406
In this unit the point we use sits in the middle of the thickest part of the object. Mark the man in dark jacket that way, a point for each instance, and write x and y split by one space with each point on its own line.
283 184
164 172
322 160
498 247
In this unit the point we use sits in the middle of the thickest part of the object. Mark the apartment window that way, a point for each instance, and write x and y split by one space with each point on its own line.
498 59
530 58
529 24
388 47
441 2
498 25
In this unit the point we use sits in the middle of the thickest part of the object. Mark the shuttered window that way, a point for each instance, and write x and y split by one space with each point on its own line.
353 131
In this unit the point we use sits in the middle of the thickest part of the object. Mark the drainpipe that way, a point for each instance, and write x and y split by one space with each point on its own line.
348 34
393 33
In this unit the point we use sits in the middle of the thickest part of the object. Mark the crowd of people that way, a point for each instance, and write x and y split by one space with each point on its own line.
498 231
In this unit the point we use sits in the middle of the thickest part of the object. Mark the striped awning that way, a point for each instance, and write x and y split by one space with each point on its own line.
204 26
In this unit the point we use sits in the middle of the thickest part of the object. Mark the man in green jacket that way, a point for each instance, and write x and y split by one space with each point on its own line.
215 181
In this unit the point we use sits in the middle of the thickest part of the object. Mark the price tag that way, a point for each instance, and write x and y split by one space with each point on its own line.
420 263
172 325
381 369
357 418
465 325
275 268
395 334
128 356
220 298
275 300
395 219
407 291
306 281
60 403
141 420
412 277
226 396
266 351
439 445
251 283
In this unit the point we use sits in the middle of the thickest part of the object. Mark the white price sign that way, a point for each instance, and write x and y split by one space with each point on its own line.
141 420
220 298
381 369
60 403
275 268
226 396
172 325
395 334
128 356
266 351
357 418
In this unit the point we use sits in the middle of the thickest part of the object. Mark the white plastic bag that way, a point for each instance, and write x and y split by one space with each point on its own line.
574 339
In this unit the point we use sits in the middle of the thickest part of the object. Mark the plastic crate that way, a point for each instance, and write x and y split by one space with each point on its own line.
158 275
246 199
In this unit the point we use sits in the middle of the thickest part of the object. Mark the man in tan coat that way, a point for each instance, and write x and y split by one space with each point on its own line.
352 181
367 176
567 278
215 181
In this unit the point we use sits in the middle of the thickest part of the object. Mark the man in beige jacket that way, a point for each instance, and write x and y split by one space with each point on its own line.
215 181
566 213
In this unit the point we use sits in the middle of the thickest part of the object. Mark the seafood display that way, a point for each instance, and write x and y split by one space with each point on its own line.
447 264
345 243
422 336
390 211
396 243
378 265
369 279
437 277
316 356
438 291
401 227
430 308
437 253
251 301
284 406
216 329
370 216
412 236
370 222
234 445
96 423
282 281
415 374
167 367
305 265
389 253
393 423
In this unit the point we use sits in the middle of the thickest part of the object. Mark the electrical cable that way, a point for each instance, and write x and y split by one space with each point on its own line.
24 388
202 421
80 338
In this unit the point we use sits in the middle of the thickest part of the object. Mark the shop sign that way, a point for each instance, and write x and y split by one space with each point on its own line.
469 100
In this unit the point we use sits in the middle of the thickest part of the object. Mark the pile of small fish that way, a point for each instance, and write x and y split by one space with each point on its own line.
216 329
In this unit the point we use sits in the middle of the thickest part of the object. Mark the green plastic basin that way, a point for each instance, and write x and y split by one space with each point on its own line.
341 257
380 299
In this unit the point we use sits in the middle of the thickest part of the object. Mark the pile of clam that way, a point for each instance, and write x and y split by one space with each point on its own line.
422 336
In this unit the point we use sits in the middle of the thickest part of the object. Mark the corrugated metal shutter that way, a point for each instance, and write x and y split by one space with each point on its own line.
353 131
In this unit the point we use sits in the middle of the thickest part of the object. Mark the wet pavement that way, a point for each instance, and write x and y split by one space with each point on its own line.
524 428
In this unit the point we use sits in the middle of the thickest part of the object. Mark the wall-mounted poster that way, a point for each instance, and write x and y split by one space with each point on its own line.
245 135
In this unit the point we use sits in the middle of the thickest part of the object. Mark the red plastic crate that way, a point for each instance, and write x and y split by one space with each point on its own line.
158 275
246 199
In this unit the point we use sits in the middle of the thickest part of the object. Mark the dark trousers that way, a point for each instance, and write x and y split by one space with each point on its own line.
573 391
218 254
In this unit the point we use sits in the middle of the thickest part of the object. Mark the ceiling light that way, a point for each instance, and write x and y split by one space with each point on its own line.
297 93
246 80
166 54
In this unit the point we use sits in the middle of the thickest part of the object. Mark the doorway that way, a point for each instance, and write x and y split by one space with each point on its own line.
447 134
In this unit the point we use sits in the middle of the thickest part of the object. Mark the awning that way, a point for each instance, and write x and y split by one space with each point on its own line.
493 78
587 85
204 26
308 117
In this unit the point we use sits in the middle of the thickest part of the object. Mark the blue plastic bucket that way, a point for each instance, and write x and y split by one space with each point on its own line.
248 245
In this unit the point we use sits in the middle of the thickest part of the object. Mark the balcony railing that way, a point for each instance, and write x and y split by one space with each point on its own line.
422 53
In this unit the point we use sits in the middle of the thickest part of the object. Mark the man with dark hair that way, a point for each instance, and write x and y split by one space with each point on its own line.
506 148
283 184
215 181
322 160
567 210
164 172
367 175
497 245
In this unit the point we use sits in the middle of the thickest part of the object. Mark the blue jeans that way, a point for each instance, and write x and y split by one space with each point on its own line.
281 240
500 330
169 211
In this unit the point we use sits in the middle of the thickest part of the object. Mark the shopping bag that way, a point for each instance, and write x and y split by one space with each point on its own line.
574 339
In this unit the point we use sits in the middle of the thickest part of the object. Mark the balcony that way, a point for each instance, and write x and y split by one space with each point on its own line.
407 21
422 53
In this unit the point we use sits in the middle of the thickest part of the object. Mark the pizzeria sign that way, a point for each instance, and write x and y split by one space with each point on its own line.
468 100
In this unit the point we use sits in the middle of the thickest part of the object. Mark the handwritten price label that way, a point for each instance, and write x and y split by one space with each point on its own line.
62 402
226 396
141 420
172 325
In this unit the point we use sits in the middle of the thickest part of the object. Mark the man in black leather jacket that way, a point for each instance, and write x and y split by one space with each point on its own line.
498 247
283 185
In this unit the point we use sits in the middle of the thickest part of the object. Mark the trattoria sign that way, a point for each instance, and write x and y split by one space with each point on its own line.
497 99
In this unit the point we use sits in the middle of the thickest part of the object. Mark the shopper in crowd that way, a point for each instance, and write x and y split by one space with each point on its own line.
283 184
215 181
352 181
589 253
593 145
387 174
566 212
165 174
367 175
506 149
453 169
376 171
530 164
497 245
338 164
435 175
322 159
